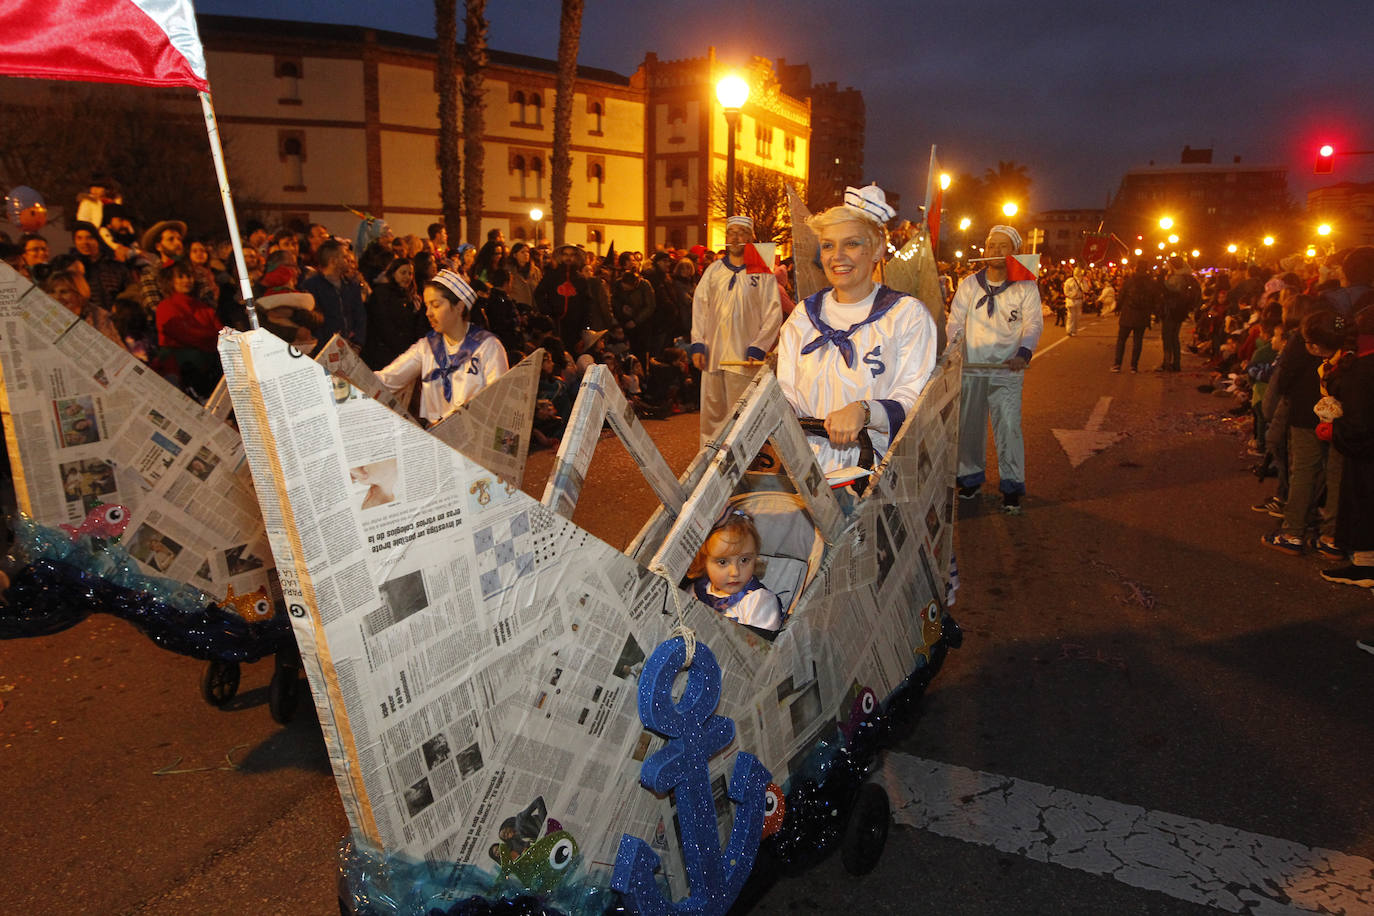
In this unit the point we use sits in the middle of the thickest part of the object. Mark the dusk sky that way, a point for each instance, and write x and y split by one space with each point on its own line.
1078 92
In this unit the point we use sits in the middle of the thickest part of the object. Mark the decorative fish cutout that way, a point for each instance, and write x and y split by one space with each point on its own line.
774 809
931 628
544 865
107 520
865 705
254 607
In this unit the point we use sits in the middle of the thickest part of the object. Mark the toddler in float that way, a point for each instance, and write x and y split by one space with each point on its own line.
725 575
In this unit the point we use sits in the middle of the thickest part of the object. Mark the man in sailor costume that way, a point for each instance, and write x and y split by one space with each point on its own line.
857 353
735 316
455 360
1001 322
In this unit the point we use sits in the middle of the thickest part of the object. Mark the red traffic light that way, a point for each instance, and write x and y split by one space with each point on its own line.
1326 160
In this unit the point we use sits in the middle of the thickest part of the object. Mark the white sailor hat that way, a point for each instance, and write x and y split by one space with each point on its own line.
454 283
1010 233
740 220
872 201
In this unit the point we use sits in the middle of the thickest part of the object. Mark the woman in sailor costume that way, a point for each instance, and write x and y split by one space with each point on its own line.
455 360
858 353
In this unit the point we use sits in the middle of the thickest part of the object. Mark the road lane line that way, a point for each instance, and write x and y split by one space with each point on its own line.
1065 339
1183 857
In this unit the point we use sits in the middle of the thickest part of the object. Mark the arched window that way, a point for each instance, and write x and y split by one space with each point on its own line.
598 177
288 71
677 188
537 170
517 165
536 109
517 101
291 151
596 117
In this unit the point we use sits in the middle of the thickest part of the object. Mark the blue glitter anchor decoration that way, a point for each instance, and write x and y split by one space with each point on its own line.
695 734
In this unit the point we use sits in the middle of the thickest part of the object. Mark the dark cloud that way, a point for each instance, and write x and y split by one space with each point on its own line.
1079 92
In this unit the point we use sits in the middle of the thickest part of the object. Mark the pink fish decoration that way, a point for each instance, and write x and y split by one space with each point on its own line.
104 521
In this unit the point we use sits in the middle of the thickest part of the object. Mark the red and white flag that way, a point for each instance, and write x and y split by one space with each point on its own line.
758 257
142 42
1023 266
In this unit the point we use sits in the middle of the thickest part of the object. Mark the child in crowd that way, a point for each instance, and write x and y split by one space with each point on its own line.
725 575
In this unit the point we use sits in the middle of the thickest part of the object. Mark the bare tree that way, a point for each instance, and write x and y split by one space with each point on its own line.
474 112
450 169
761 195
569 36
156 149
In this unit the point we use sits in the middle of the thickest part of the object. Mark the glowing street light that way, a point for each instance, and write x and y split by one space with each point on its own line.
732 92
1196 253
944 181
965 223
1173 239
1231 249
535 216
1009 208
1166 222
1269 241
1161 246
958 252
1138 252
1324 229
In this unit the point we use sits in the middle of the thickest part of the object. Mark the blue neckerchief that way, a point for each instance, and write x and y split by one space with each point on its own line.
882 303
724 604
734 271
989 294
444 364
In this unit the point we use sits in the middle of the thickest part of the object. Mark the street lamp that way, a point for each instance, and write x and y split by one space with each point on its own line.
1166 222
1196 253
732 92
1173 239
1324 229
1009 208
535 216
1268 241
959 253
944 181
1138 252
1311 251
965 223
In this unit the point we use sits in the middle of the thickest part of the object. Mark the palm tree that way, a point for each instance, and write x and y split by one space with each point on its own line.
1010 181
450 172
474 111
569 36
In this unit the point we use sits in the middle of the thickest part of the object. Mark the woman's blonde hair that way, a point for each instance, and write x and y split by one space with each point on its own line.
875 233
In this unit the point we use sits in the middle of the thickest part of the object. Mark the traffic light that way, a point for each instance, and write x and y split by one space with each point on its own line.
1326 160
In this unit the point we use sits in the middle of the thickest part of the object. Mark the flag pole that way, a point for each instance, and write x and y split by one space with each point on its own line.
217 153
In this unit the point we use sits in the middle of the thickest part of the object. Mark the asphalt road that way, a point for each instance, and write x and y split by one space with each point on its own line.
1127 638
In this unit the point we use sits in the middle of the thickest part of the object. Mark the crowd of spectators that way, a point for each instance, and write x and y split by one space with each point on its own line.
165 292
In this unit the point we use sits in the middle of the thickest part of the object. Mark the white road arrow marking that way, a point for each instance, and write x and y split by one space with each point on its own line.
1188 859
1081 444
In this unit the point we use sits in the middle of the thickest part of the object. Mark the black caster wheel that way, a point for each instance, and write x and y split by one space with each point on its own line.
220 682
283 692
866 833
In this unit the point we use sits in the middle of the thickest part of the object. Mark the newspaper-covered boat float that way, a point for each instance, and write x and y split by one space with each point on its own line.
136 500
484 670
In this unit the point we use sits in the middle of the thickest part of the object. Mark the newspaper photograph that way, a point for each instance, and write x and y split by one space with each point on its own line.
87 424
476 655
